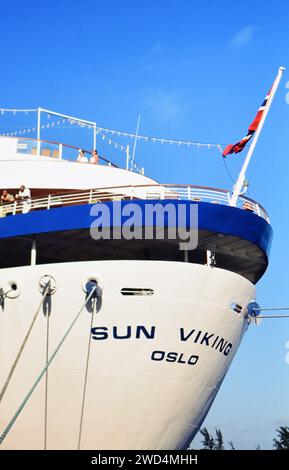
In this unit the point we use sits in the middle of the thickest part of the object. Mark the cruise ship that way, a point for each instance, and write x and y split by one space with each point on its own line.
109 342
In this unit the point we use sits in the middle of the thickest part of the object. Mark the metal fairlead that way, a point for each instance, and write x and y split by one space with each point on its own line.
47 280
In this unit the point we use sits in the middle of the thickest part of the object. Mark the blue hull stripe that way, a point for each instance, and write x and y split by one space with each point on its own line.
213 217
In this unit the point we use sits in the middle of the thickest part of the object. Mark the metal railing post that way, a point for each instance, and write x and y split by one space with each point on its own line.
14 207
33 253
258 209
60 151
127 157
229 198
38 130
94 136
48 201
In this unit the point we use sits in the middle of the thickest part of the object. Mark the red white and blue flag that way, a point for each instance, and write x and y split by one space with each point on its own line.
238 147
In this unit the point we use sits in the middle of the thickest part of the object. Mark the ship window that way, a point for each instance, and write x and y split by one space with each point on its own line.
136 291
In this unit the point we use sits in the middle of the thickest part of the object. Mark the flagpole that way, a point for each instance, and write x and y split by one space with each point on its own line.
242 175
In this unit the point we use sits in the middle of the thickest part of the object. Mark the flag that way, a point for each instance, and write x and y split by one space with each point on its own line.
238 147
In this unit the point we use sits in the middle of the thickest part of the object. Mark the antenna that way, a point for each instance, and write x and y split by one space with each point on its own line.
135 142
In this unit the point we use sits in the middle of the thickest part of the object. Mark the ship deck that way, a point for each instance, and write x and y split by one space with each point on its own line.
240 237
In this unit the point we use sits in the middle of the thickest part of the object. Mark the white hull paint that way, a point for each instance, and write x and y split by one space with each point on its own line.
132 401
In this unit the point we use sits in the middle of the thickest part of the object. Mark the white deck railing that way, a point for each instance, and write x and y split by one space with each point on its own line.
49 149
154 191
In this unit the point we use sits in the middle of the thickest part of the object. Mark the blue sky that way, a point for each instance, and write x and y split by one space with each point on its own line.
193 70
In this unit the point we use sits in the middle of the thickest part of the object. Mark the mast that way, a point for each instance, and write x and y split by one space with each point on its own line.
242 175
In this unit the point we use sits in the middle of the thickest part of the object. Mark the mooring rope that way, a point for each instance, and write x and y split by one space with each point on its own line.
27 397
13 367
85 380
46 380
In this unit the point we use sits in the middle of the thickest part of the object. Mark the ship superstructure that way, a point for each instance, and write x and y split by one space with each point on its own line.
142 364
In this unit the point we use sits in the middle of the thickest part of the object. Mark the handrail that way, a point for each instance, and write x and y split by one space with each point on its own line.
53 142
148 191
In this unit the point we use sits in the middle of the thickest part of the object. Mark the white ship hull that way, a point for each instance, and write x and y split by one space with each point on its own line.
134 400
